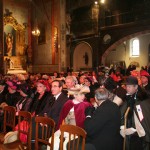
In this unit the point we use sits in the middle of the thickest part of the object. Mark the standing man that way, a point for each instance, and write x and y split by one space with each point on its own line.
137 117
103 125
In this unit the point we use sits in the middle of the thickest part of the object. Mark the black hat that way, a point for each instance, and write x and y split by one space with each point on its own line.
131 80
24 88
110 84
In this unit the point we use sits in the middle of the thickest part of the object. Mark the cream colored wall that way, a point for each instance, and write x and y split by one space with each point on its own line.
42 53
122 52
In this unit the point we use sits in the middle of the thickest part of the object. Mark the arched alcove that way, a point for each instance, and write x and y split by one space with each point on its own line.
82 57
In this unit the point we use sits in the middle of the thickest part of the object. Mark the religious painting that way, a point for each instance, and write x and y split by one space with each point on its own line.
42 36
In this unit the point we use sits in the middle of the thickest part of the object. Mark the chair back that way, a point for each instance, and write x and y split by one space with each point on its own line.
25 128
76 137
9 118
44 130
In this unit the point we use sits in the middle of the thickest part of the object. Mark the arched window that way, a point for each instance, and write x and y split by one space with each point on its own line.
134 47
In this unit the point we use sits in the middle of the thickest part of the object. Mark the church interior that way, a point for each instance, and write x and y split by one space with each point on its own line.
74 73
44 36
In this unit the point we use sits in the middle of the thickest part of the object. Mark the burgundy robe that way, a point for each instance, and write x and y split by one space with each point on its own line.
79 110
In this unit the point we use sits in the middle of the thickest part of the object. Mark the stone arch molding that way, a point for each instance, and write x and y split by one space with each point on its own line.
113 46
79 63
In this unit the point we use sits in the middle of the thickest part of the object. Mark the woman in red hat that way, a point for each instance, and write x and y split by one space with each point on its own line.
41 98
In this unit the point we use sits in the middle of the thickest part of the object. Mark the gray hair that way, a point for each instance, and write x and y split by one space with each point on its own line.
70 78
101 94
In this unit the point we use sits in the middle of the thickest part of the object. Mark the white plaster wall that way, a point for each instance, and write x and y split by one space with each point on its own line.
78 56
122 53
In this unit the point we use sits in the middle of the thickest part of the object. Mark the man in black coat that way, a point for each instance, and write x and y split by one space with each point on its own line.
138 103
103 125
59 100
145 121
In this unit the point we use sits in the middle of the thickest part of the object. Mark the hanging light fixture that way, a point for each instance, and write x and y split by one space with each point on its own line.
36 31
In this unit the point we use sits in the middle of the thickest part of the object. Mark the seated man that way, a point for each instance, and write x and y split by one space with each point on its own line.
72 112
54 109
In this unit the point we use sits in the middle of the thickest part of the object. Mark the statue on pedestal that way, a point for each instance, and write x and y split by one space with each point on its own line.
9 43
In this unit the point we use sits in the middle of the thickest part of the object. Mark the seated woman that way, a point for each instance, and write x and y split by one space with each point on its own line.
41 98
72 111
12 96
25 100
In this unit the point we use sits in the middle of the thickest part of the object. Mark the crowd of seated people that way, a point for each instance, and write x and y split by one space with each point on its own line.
55 96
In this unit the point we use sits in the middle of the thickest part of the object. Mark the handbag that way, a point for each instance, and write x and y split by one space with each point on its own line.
24 126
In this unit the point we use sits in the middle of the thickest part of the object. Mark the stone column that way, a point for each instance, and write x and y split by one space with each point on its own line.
29 49
1 37
62 47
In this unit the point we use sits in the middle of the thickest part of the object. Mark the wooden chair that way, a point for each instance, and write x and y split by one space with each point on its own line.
9 121
44 130
24 130
76 137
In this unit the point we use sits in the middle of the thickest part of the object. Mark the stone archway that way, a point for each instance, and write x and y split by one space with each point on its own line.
82 57
117 43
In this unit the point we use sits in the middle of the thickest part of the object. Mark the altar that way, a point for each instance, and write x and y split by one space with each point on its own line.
15 47
14 65
16 71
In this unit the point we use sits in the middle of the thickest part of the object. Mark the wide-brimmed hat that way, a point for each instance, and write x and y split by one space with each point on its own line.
11 137
79 89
